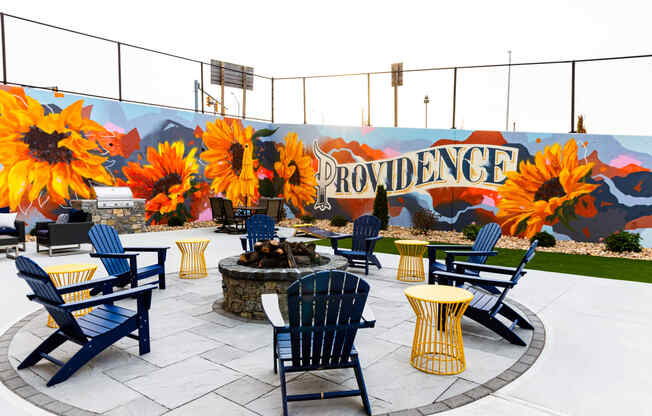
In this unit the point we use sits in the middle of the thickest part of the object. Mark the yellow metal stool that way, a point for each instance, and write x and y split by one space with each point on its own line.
410 266
68 274
193 262
437 346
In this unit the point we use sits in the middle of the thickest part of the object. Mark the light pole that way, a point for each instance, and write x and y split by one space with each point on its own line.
426 100
509 84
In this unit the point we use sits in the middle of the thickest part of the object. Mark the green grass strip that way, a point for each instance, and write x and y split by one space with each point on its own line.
582 264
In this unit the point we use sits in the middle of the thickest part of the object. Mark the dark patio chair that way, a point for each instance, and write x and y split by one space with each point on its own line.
232 222
94 332
121 264
274 208
217 209
482 247
364 238
325 311
59 236
259 227
485 307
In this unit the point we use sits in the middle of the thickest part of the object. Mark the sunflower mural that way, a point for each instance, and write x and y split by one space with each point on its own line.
46 154
166 182
546 191
295 167
230 161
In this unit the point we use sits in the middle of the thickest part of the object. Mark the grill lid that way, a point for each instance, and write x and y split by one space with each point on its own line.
113 196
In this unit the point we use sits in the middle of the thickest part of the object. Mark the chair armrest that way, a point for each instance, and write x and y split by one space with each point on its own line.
368 317
470 253
43 224
243 243
20 230
449 247
86 285
115 255
457 277
465 265
340 237
146 249
104 299
272 309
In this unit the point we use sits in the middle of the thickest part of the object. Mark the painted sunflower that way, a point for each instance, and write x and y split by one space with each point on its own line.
231 164
165 180
539 193
48 153
295 168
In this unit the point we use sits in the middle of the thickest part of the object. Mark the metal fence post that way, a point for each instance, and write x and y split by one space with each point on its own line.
368 99
4 49
272 99
119 74
201 74
244 92
304 100
454 94
572 130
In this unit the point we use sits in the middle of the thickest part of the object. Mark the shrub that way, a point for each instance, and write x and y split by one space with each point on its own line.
339 221
545 239
381 207
307 219
424 220
176 221
471 231
623 241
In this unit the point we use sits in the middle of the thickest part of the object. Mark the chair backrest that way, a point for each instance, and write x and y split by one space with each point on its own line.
324 310
259 227
217 208
518 273
486 240
274 208
46 294
105 240
364 227
229 214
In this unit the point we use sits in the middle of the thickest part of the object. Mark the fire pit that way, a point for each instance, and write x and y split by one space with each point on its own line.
243 284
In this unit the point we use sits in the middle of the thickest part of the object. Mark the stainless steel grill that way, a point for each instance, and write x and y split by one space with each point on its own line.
114 197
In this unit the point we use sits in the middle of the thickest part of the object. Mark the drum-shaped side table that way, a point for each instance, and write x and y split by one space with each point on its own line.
193 262
410 266
68 274
437 346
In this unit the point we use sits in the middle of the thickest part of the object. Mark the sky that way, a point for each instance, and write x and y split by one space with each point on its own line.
288 38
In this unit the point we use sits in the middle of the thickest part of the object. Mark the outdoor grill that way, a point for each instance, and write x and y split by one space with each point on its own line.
115 206
114 197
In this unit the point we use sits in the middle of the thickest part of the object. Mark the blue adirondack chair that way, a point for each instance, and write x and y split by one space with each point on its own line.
259 227
96 331
325 311
364 238
485 307
482 247
121 264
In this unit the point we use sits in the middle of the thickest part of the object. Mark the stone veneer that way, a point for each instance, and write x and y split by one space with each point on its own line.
243 285
124 220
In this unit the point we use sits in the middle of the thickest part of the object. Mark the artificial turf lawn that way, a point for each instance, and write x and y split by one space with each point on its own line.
606 267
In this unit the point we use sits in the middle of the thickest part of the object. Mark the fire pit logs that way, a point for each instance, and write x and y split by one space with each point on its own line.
273 253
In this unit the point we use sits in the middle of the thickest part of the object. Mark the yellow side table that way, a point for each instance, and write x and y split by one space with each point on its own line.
68 274
410 266
193 262
437 346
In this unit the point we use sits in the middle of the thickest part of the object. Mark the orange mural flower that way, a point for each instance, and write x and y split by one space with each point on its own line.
165 180
48 153
295 168
537 193
231 164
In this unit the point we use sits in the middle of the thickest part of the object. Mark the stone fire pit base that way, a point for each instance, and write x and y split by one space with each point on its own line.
243 285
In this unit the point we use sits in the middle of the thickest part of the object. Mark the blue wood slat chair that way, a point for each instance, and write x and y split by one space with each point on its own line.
259 227
121 264
485 307
364 238
325 311
96 331
482 247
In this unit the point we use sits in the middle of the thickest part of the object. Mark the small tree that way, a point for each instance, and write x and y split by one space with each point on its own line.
580 124
381 206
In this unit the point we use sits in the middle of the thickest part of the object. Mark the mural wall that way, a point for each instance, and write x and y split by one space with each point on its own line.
581 187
